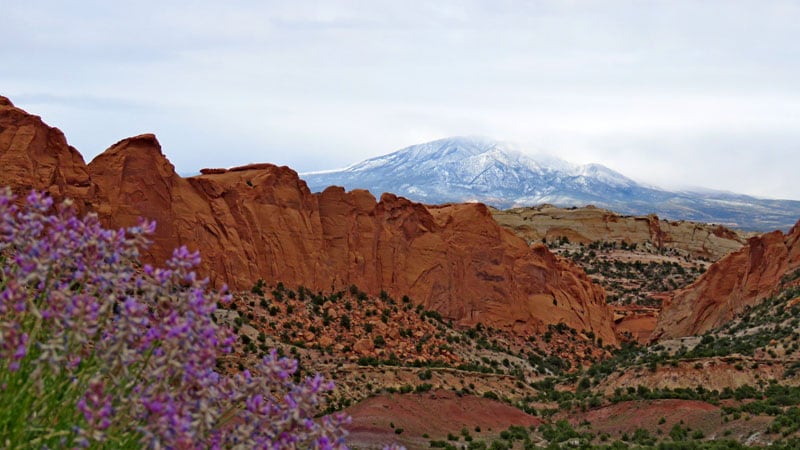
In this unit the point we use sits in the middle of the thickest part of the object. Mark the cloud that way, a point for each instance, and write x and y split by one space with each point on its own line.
640 86
102 104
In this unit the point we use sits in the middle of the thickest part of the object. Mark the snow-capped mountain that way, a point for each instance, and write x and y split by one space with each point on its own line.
463 169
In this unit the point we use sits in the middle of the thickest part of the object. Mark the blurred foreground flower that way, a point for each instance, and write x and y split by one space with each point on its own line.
98 351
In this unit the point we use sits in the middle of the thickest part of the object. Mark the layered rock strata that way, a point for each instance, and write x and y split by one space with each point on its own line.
590 224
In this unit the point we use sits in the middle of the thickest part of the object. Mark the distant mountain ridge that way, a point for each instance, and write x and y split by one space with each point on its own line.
464 169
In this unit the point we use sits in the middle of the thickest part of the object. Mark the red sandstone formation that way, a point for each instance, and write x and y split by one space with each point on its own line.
36 156
740 279
635 323
261 221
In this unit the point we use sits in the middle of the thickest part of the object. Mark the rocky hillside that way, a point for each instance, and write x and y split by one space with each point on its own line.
589 224
739 281
262 222
639 261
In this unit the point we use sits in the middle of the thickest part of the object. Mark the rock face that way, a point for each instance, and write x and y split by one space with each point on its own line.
711 373
636 324
133 180
589 224
740 279
261 221
36 156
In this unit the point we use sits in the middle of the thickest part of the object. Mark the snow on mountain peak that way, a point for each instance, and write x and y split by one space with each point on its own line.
504 175
604 174
466 151
475 164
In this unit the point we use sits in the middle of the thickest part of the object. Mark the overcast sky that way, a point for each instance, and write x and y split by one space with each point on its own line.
674 93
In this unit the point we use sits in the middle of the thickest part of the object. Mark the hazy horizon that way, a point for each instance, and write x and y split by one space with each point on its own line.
669 93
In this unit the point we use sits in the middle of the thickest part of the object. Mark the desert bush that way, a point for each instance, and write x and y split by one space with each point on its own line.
560 432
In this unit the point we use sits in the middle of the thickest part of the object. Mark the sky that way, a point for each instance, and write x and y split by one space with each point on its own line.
672 93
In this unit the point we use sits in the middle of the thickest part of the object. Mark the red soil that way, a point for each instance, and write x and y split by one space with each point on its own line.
434 413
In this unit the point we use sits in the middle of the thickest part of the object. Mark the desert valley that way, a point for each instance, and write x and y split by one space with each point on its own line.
467 325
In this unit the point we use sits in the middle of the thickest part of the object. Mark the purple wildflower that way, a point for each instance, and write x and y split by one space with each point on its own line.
137 342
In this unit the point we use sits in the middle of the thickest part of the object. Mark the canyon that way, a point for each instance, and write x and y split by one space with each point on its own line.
738 281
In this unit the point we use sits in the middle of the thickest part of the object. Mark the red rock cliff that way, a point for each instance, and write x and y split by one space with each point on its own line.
261 221
36 156
742 278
